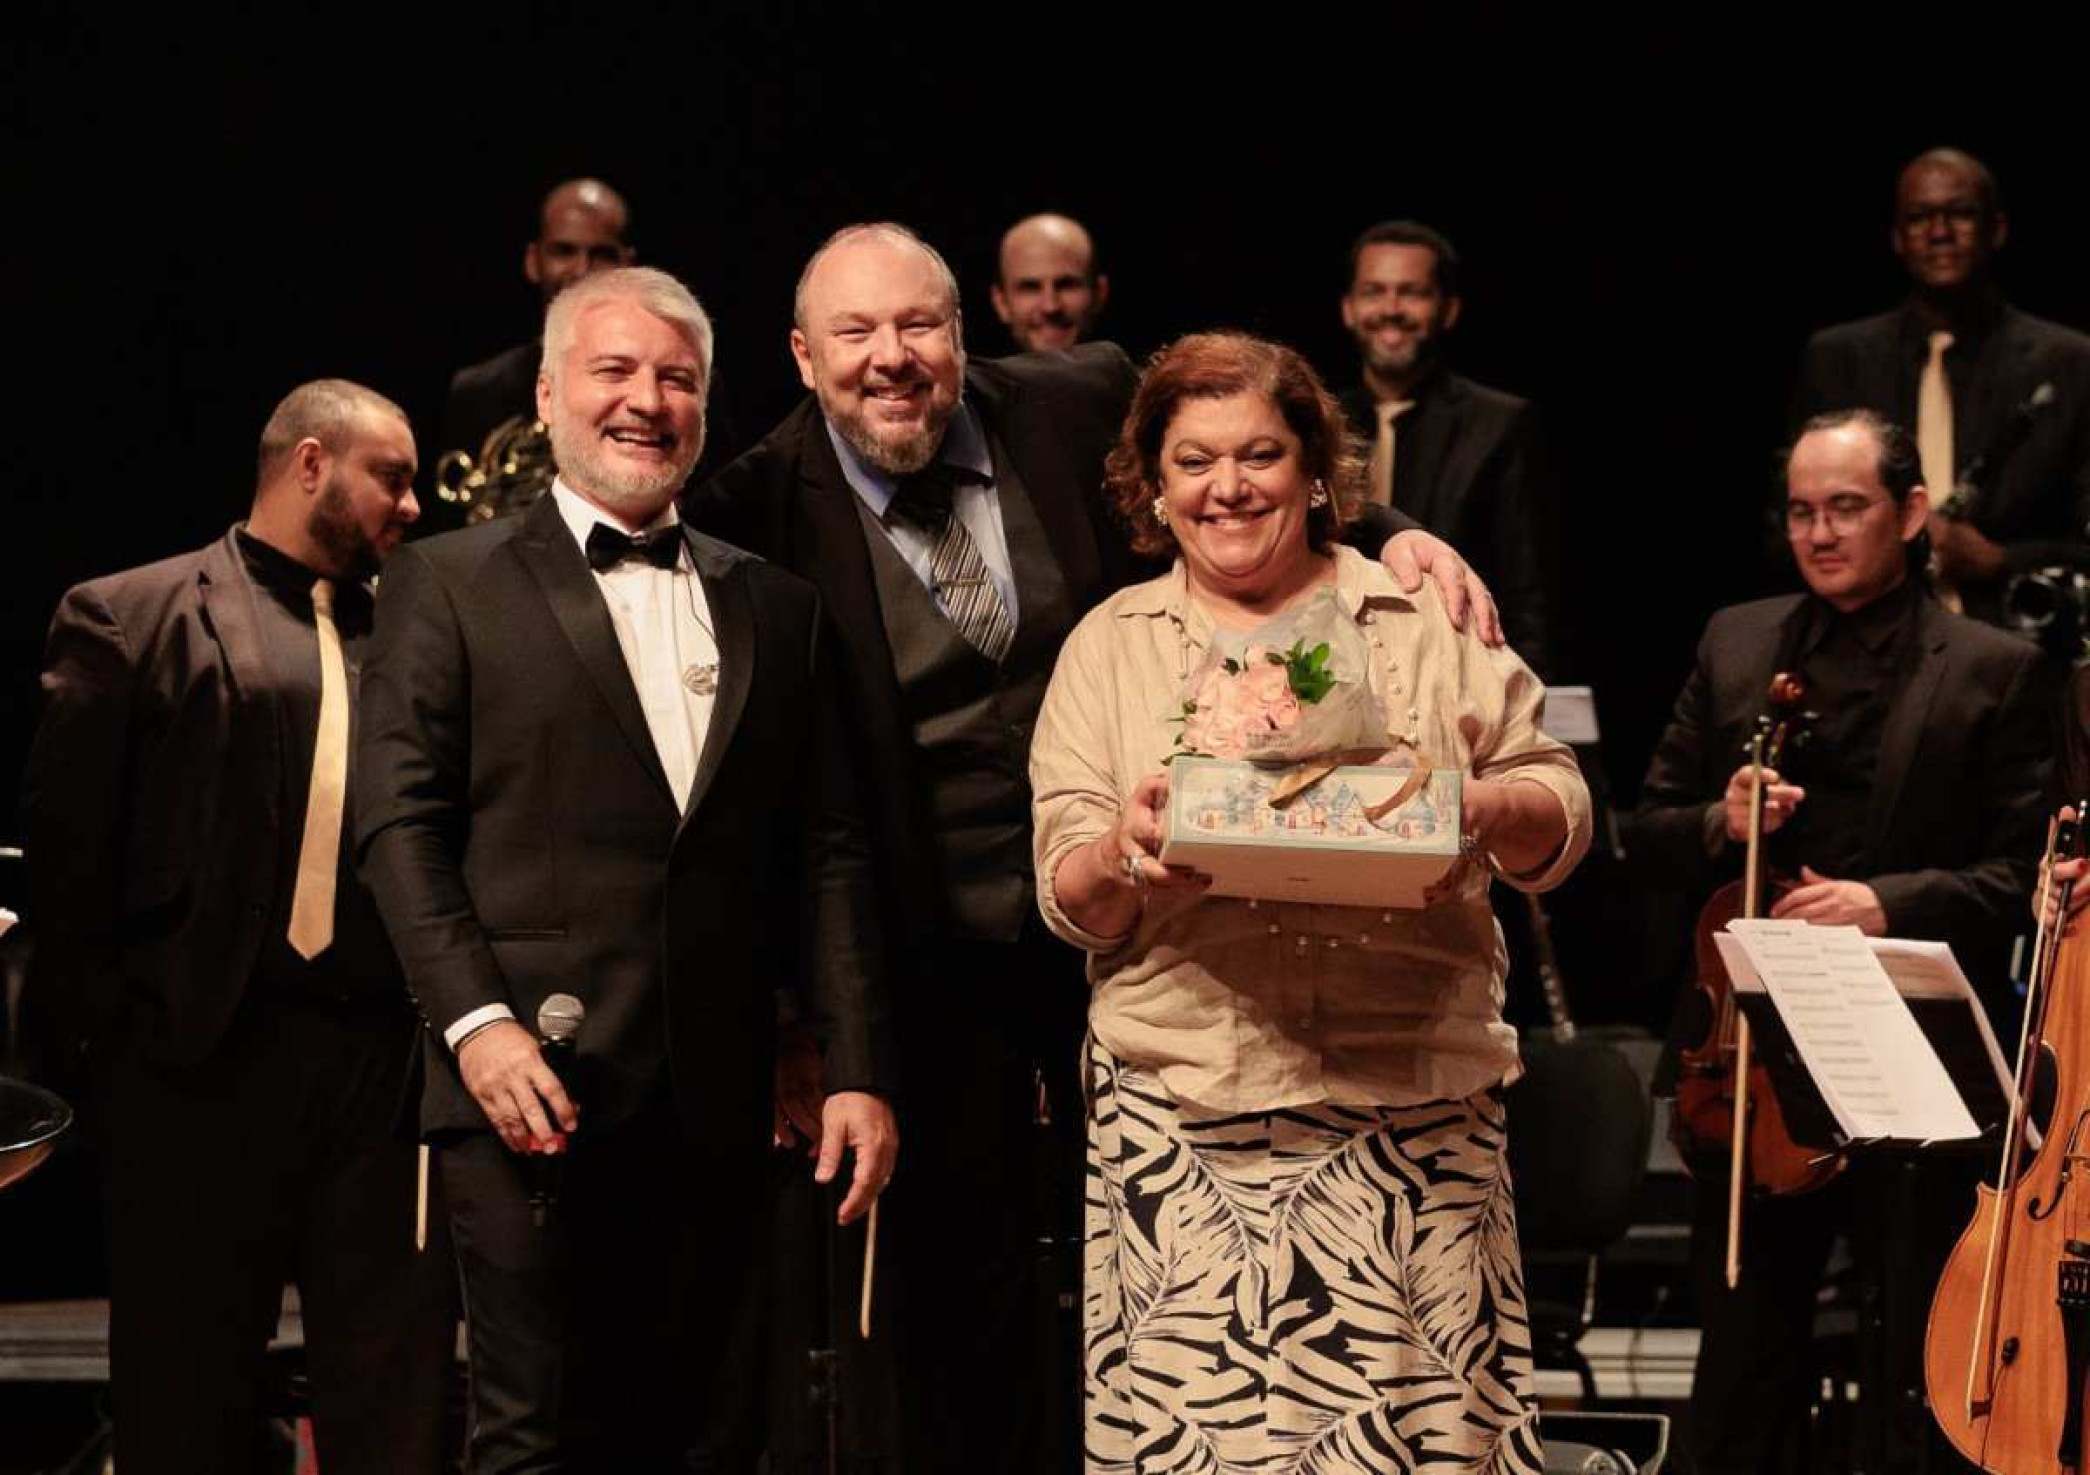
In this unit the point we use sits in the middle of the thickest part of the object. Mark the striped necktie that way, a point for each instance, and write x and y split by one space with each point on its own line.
963 586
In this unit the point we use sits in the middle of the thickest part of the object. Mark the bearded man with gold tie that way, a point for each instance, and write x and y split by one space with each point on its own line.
1999 399
246 1024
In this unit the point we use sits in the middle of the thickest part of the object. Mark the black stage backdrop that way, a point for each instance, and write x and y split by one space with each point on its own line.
205 214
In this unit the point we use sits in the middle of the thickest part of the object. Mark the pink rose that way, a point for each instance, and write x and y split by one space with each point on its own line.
1267 684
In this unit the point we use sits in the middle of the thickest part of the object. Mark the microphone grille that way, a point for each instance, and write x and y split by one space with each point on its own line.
559 1017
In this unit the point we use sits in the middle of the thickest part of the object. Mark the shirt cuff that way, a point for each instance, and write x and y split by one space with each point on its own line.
1574 805
1056 919
472 1021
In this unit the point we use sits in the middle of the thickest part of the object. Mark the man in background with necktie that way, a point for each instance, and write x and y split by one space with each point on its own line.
247 1028
1463 460
2000 400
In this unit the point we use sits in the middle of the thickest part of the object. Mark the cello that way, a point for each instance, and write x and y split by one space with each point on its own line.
1724 1100
2008 1346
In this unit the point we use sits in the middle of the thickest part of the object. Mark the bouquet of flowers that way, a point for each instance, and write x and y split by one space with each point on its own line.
1298 689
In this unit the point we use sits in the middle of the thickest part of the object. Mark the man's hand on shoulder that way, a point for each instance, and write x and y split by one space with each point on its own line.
1411 555
520 1094
861 1123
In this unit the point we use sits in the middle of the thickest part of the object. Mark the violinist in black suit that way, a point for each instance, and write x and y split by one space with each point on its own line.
1914 809
248 1031
601 757
953 515
1961 366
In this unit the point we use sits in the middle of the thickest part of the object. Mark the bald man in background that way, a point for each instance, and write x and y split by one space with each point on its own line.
1047 291
582 227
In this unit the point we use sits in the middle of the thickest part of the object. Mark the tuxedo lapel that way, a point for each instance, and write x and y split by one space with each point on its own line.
547 549
833 555
733 622
227 597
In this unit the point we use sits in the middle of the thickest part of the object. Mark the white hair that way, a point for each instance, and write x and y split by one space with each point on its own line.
648 287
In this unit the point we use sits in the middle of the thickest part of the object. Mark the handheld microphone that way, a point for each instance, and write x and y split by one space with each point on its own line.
558 1024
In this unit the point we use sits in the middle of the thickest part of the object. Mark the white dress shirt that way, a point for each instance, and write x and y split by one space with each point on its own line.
663 625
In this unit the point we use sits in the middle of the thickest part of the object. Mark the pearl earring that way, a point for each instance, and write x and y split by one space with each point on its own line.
1160 511
1320 494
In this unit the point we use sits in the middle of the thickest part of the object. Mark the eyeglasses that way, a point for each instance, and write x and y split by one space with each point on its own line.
1844 514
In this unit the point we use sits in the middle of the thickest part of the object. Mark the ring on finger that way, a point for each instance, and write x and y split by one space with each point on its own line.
1133 874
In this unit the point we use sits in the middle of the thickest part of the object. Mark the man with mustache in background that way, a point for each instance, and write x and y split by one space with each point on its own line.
246 1026
1047 291
1463 460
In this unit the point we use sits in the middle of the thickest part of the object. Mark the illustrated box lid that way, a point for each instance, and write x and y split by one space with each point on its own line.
1328 845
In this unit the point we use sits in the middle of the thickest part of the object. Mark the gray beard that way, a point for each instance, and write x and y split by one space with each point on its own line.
637 497
902 457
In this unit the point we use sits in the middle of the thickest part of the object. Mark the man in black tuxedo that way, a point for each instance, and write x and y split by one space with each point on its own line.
248 1031
601 758
954 518
1960 365
1913 809
1463 460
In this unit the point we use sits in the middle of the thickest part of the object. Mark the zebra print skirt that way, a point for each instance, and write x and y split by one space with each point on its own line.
1308 1291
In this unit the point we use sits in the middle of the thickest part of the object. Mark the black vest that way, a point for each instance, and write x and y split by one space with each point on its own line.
972 720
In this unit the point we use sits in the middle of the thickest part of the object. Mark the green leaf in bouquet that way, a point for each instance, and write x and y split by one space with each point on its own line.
1306 671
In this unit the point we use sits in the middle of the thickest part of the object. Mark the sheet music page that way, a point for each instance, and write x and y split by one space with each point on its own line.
1855 1035
1927 970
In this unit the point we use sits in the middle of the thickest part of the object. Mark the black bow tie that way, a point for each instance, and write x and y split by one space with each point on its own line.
607 547
924 498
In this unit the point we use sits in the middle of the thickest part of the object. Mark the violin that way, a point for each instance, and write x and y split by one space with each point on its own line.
2008 1346
1724 1101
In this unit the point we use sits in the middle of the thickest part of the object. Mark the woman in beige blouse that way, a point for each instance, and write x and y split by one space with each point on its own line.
1301 1252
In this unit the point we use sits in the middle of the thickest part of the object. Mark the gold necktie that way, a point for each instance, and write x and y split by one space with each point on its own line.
1382 449
319 857
1934 422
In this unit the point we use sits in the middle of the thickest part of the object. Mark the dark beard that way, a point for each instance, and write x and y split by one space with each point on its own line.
334 529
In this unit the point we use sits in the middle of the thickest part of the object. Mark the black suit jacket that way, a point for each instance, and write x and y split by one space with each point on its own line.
2038 506
1957 812
484 395
522 838
154 800
1055 416
1470 467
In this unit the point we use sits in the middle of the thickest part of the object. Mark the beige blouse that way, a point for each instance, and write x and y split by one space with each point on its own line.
1252 1006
